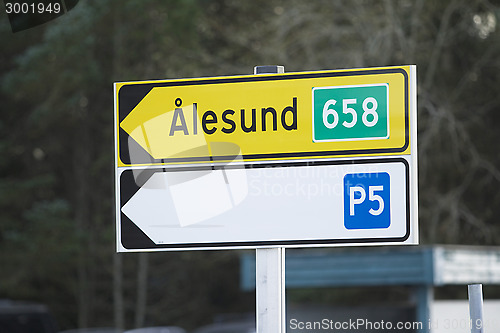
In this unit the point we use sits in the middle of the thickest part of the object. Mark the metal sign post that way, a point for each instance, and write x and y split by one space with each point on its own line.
270 290
476 307
270 272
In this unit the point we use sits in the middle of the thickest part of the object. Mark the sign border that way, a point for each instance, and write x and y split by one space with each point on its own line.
121 113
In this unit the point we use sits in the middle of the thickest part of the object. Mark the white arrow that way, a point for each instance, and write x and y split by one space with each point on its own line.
183 198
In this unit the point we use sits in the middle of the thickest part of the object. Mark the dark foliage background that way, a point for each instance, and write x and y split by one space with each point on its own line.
56 135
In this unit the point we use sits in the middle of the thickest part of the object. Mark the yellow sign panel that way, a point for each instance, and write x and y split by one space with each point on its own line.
362 112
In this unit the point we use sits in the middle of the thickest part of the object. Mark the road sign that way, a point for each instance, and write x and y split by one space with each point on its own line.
298 159
269 117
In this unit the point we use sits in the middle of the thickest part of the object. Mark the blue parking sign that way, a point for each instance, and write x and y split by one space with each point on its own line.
367 200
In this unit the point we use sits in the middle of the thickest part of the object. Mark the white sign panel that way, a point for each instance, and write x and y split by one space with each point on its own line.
318 203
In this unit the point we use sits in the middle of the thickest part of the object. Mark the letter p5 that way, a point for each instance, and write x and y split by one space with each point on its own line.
367 200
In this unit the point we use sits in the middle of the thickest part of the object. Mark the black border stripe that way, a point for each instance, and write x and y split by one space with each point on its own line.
125 156
130 243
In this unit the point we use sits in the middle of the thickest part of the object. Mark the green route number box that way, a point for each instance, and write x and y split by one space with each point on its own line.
351 112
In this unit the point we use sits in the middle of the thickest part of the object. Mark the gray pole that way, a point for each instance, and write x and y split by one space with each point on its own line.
476 308
270 271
